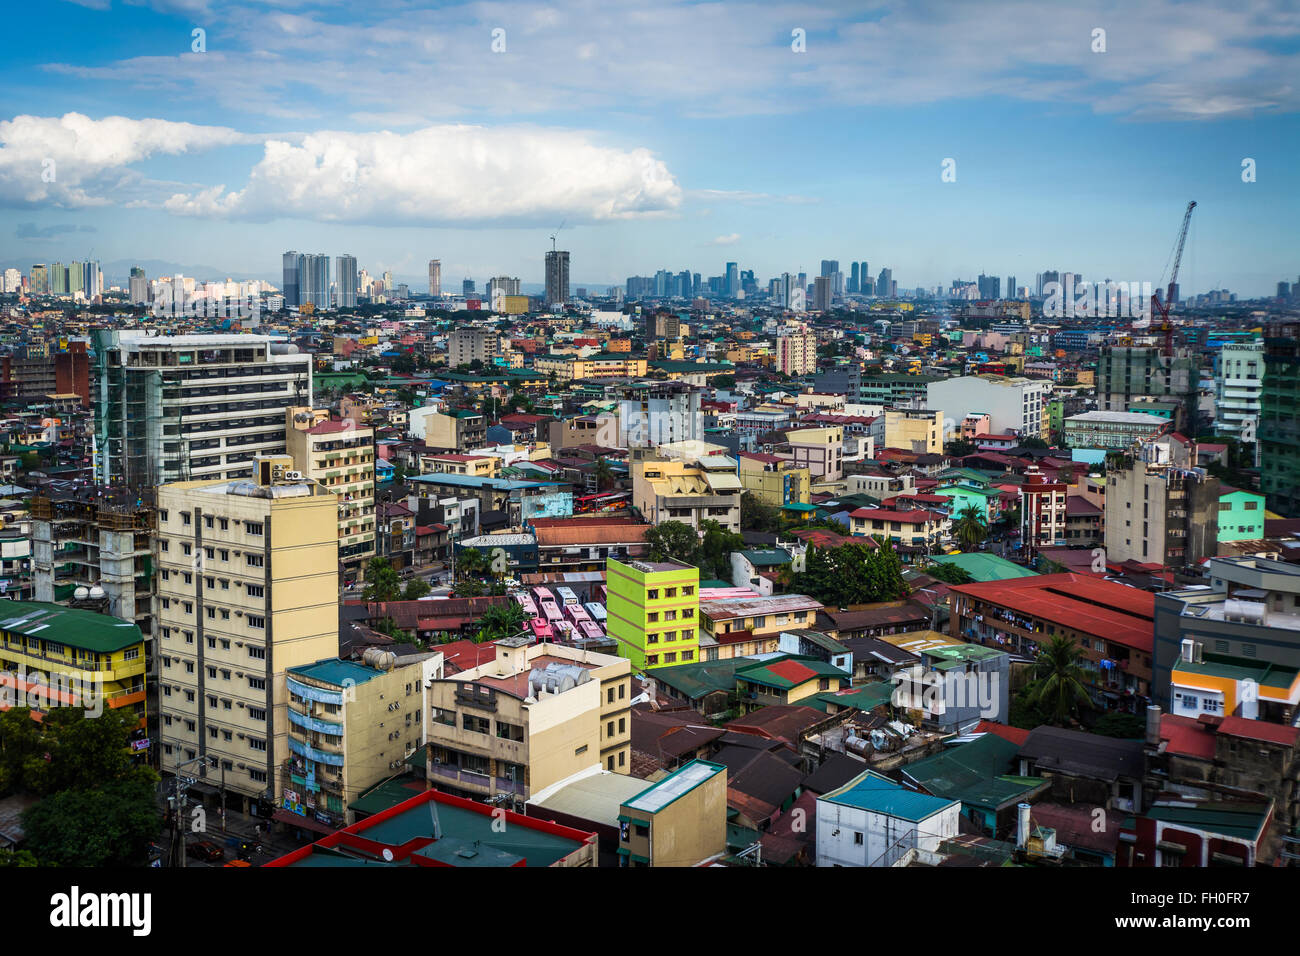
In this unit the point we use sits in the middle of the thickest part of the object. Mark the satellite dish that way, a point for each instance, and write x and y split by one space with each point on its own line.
388 855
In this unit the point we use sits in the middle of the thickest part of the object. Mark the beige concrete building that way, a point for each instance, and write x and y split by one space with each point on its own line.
707 489
796 352
340 455
915 430
247 589
679 821
533 717
351 726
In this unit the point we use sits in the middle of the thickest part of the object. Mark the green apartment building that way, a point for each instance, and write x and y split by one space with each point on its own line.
654 611
1279 419
1241 515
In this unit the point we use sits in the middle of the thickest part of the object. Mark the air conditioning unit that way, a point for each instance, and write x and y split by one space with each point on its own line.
239 643
293 476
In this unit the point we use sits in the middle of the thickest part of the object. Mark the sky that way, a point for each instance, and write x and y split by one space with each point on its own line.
939 139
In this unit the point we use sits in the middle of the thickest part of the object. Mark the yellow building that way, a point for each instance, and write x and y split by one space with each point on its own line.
679 821
568 368
351 726
654 611
248 588
915 430
480 466
689 492
340 456
531 718
775 481
52 656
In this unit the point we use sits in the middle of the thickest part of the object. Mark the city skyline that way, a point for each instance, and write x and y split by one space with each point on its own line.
147 140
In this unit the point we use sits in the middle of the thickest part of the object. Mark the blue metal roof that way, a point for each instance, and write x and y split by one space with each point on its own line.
878 794
336 672
475 481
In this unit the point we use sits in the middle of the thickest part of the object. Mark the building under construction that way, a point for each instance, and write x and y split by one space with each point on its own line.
189 407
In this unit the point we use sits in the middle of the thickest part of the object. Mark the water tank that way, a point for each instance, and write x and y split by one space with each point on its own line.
283 348
81 593
1252 612
378 658
96 593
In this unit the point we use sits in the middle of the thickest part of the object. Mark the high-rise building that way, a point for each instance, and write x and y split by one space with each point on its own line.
291 264
864 276
40 279
1160 508
467 287
471 344
171 408
345 278
340 456
138 287
990 287
1278 429
1128 374
830 267
822 294
796 351
557 277
854 283
885 283
248 590
435 278
733 280
58 279
1239 385
1011 287
314 280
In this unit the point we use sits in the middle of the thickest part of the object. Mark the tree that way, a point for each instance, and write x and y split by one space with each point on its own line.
960 448
1057 687
713 556
852 574
604 474
382 582
500 621
1124 726
110 826
672 541
416 588
757 515
972 527
949 573
472 563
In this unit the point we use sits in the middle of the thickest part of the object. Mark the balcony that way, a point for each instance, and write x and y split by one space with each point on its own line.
468 779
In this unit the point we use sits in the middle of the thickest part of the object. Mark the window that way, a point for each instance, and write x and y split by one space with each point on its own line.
185 517
259 653
257 776
257 683
256 621
580 750
256 713
652 594
253 527
857 839
207 521
256 743
255 590
254 560
609 696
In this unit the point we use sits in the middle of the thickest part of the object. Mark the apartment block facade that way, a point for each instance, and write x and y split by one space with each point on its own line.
654 611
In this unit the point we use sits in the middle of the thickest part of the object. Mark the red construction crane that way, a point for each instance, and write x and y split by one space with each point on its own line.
1162 309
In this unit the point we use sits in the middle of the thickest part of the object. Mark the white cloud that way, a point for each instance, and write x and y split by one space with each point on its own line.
74 160
728 240
463 175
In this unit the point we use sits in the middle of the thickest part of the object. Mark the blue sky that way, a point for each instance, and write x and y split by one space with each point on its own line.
663 135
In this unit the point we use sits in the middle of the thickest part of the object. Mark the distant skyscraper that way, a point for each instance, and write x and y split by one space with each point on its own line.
864 275
1011 287
138 287
822 294
467 287
76 278
435 277
58 279
314 280
853 279
557 277
830 267
885 283
40 279
94 278
733 279
292 266
345 278
990 287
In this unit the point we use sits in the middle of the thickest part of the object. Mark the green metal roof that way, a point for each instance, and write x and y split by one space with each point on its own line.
870 791
73 627
974 773
985 567
334 671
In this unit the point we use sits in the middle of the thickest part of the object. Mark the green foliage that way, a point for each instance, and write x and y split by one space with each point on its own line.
16 858
471 564
109 826
972 528
672 541
960 448
1024 713
1125 726
949 573
416 588
852 574
382 582
67 749
500 621
757 515
1058 685
714 555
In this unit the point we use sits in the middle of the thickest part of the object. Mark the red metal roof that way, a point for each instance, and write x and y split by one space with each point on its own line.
1187 737
1259 730
1080 602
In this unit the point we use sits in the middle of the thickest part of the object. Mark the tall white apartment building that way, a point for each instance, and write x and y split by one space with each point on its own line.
1239 386
1013 404
184 407
796 352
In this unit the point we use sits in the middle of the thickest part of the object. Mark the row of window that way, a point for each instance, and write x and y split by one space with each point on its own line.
210 522
669 658
254 683
257 776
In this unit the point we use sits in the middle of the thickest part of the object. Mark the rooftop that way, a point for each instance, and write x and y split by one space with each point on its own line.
674 786
74 627
870 791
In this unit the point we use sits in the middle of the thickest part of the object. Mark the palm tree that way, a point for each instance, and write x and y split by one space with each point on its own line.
1058 682
500 621
972 528
471 563
604 474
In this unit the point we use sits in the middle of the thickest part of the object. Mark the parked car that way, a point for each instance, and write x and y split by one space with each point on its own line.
206 850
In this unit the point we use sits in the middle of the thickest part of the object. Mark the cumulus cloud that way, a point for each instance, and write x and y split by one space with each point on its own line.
443 174
74 160
728 240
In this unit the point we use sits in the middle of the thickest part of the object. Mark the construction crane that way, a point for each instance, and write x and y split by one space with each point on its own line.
1162 308
557 231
